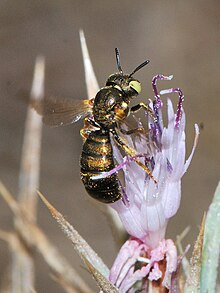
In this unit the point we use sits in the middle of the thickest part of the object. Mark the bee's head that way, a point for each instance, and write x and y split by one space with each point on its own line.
125 83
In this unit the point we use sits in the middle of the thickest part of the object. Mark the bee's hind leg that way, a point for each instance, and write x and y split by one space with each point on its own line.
132 131
132 153
126 160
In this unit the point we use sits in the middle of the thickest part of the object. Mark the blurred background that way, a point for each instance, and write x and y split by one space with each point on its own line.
179 37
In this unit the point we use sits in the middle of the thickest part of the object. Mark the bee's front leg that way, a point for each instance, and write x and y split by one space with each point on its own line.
147 108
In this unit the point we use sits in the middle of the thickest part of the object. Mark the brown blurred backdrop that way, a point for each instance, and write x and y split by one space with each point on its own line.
179 37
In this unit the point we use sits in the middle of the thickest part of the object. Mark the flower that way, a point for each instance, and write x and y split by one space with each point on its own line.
146 206
151 205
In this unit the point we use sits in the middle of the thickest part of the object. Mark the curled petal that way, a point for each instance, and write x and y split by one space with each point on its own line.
193 149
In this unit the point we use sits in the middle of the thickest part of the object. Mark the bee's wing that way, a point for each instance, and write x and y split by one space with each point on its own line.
62 111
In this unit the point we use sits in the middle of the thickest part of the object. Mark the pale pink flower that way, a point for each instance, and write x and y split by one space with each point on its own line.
146 206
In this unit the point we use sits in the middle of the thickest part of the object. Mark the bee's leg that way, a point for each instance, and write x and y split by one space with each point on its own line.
131 152
131 131
146 107
84 132
126 161
88 127
93 122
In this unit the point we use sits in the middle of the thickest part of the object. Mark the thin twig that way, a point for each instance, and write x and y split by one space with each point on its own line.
30 160
23 275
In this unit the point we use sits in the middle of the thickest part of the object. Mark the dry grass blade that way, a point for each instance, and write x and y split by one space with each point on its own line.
63 284
91 81
9 199
102 282
22 259
19 253
32 236
11 279
30 160
184 262
6 236
193 279
80 245
22 268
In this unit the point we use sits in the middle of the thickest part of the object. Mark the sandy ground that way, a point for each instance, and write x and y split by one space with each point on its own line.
179 37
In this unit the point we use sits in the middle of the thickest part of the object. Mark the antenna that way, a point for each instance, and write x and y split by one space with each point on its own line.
117 54
139 67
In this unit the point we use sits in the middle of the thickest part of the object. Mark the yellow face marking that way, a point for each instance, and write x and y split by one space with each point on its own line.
134 84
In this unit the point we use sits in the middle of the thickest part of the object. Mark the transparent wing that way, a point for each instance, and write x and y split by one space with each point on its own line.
62 111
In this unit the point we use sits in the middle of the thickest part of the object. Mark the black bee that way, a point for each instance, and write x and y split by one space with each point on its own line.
103 115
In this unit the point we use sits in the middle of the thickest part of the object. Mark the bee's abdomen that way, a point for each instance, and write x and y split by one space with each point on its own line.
96 158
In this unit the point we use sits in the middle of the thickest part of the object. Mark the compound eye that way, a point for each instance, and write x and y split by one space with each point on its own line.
135 85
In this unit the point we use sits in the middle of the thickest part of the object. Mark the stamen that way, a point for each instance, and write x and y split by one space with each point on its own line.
179 105
154 85
157 105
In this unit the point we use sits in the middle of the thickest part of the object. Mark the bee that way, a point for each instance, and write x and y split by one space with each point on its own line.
103 115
